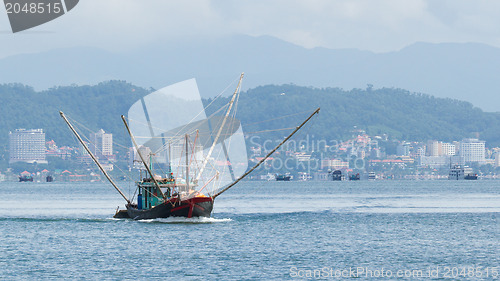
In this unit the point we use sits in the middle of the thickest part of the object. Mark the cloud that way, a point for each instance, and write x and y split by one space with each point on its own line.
116 25
363 24
376 25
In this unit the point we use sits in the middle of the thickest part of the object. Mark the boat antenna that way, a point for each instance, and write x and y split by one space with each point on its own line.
267 156
142 158
236 91
93 157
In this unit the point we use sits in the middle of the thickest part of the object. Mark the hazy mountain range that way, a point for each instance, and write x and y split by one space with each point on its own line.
466 71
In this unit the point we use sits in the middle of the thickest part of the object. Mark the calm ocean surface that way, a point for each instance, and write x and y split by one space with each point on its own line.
442 230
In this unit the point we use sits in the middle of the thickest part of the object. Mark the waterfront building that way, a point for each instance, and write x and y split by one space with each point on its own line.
434 162
420 151
82 155
27 146
302 156
334 164
376 153
102 144
433 148
448 149
438 148
473 150
403 149
135 159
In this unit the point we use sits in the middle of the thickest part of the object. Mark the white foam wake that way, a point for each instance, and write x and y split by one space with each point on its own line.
187 220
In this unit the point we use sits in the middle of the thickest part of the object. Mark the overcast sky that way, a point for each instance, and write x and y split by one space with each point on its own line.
375 25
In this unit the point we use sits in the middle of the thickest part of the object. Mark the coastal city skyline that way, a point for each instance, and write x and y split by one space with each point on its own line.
313 159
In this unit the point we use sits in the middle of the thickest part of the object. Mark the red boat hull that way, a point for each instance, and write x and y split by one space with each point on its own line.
193 207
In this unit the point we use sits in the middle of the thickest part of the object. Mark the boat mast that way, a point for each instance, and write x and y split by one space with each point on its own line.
169 164
220 129
267 156
187 164
142 158
93 157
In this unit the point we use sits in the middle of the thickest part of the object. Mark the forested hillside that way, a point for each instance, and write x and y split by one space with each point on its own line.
398 113
96 107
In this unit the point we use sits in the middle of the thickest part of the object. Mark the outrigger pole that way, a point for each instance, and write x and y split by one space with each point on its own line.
93 157
220 129
267 156
142 158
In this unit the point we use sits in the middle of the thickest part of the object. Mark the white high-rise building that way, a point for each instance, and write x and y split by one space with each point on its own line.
102 144
438 148
27 146
473 150
433 148
403 149
448 149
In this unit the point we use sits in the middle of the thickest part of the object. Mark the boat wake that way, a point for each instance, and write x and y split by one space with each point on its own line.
180 220
54 219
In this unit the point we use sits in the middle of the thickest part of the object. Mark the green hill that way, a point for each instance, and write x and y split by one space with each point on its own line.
395 112
98 106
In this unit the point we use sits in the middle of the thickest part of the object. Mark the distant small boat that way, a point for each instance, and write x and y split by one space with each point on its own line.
372 176
354 177
283 177
470 177
25 178
337 175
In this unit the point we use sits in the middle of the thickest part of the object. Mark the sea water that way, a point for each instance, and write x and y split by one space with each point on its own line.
368 230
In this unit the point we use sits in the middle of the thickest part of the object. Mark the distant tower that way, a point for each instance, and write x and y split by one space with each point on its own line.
102 144
27 146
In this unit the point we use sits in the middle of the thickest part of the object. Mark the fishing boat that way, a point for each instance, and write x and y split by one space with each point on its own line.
200 157
337 175
354 177
25 178
283 177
